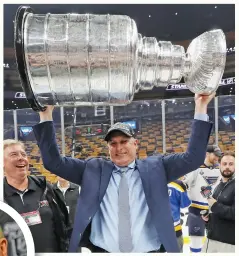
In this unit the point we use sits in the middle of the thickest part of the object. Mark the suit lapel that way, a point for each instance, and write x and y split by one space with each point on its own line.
144 174
106 171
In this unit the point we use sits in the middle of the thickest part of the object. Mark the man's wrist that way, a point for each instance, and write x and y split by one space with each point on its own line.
44 117
201 109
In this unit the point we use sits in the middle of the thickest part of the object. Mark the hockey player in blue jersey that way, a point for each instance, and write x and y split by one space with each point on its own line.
177 191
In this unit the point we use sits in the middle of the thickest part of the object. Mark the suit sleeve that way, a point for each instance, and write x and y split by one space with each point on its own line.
224 211
66 167
177 165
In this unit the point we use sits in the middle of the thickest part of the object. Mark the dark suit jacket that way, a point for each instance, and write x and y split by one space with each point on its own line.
70 198
93 176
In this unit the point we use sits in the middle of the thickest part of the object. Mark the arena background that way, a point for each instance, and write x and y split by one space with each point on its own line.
160 117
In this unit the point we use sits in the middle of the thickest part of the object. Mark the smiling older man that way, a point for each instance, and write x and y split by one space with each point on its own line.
124 204
34 199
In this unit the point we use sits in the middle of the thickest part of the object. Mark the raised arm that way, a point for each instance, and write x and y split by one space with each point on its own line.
177 165
66 167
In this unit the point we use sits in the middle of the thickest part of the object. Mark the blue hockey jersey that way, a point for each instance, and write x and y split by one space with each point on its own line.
178 199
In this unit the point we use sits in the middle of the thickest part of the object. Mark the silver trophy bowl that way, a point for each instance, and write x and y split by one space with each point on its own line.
86 59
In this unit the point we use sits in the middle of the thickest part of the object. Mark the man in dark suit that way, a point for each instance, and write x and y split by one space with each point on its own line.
69 193
124 204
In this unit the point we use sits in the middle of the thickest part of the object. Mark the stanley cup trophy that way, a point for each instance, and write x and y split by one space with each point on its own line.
90 60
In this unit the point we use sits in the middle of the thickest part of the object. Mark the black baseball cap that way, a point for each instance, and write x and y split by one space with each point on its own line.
121 127
215 150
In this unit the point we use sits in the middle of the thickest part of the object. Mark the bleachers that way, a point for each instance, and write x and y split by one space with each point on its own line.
150 142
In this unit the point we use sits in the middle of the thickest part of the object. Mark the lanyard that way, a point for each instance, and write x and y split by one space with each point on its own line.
42 198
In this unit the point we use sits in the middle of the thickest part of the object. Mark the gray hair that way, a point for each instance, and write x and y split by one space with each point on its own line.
10 142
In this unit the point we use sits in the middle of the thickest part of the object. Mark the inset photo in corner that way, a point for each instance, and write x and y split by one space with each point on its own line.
15 236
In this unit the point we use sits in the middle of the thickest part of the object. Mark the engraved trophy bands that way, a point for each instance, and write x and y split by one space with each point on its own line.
86 59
